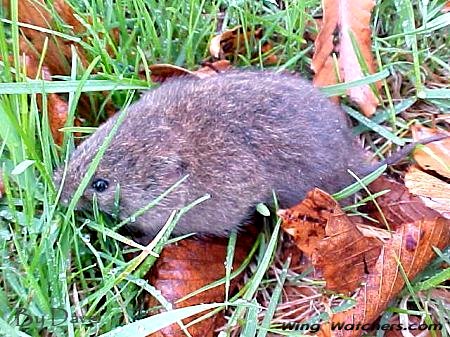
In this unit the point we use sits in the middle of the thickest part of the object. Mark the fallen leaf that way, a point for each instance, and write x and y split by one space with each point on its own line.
418 230
232 41
67 15
162 72
57 108
210 69
306 221
439 161
57 58
185 267
398 206
446 7
226 43
342 21
433 192
411 245
270 58
335 244
345 255
58 52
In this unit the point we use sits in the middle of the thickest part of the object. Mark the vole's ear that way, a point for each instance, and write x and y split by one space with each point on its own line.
168 171
178 168
182 167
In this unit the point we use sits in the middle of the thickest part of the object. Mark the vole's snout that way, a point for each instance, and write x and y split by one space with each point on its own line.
57 178
57 181
65 201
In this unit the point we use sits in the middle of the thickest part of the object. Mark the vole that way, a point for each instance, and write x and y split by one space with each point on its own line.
238 135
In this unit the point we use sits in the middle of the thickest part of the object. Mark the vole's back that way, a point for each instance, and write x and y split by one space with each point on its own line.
238 135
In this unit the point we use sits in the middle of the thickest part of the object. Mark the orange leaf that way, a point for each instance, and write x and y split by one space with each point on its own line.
337 247
57 108
162 72
226 43
66 13
57 111
440 160
213 68
446 7
399 206
346 18
57 56
306 221
271 59
418 230
412 244
433 192
58 53
180 270
231 41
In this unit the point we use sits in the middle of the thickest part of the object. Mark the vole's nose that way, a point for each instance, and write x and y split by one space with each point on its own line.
57 180
57 177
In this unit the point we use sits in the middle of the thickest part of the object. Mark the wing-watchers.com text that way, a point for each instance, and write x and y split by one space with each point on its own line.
361 326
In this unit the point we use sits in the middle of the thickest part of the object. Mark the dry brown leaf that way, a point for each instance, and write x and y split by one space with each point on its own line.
180 270
57 57
398 206
345 18
271 59
57 108
433 192
210 69
446 7
58 53
232 41
226 43
336 246
66 13
306 222
418 230
440 160
162 72
345 255
412 244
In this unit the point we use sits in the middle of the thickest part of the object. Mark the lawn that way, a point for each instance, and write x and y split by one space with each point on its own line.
55 261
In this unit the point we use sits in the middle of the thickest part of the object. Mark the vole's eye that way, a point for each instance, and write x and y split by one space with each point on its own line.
100 184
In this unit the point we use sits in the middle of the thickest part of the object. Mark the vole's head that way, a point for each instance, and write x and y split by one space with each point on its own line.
104 183
132 172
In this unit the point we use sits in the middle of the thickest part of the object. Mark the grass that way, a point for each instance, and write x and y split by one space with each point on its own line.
53 259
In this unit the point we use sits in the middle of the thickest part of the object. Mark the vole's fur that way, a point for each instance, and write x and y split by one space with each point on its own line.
238 135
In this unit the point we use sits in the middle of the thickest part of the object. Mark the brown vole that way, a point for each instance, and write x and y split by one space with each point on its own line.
238 135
